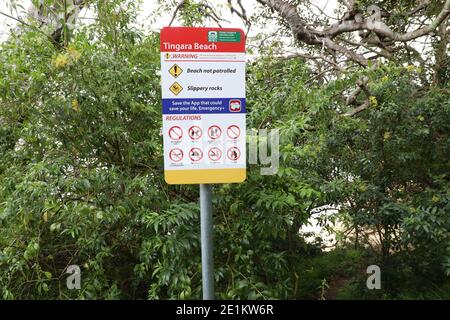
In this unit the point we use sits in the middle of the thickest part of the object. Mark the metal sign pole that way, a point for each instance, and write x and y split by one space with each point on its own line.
206 225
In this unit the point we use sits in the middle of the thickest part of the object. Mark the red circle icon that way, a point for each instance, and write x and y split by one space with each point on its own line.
175 133
233 132
214 132
234 154
195 154
235 105
214 154
195 132
176 155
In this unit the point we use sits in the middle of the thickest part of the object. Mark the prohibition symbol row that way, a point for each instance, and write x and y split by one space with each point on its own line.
195 132
196 154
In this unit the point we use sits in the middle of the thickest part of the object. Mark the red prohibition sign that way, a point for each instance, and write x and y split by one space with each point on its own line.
233 132
234 154
175 133
195 132
215 154
195 154
214 132
176 155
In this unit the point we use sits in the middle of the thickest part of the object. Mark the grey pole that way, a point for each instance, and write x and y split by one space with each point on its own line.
206 225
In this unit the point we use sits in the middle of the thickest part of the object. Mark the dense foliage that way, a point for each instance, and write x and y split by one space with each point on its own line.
81 177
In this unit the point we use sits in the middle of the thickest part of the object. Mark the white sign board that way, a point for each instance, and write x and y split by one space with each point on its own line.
204 106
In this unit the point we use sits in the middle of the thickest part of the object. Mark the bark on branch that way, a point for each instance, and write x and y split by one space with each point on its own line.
352 21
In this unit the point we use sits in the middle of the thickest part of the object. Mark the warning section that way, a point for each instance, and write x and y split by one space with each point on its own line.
181 81
204 105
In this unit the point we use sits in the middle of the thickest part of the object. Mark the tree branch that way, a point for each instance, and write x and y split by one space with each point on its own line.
290 14
351 22
362 86
352 55
175 13
359 109
29 26
374 24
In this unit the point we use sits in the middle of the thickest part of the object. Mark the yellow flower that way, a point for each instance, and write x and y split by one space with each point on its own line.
387 136
73 53
421 118
373 101
435 199
410 68
75 105
61 61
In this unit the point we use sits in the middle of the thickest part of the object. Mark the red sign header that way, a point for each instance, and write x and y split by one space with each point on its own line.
183 39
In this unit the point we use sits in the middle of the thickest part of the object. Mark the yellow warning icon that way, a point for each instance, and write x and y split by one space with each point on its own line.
175 71
176 88
167 56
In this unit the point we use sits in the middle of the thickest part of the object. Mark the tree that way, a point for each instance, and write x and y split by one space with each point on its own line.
372 29
81 171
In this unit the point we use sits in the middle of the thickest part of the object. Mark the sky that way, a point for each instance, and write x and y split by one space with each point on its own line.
147 9
146 12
